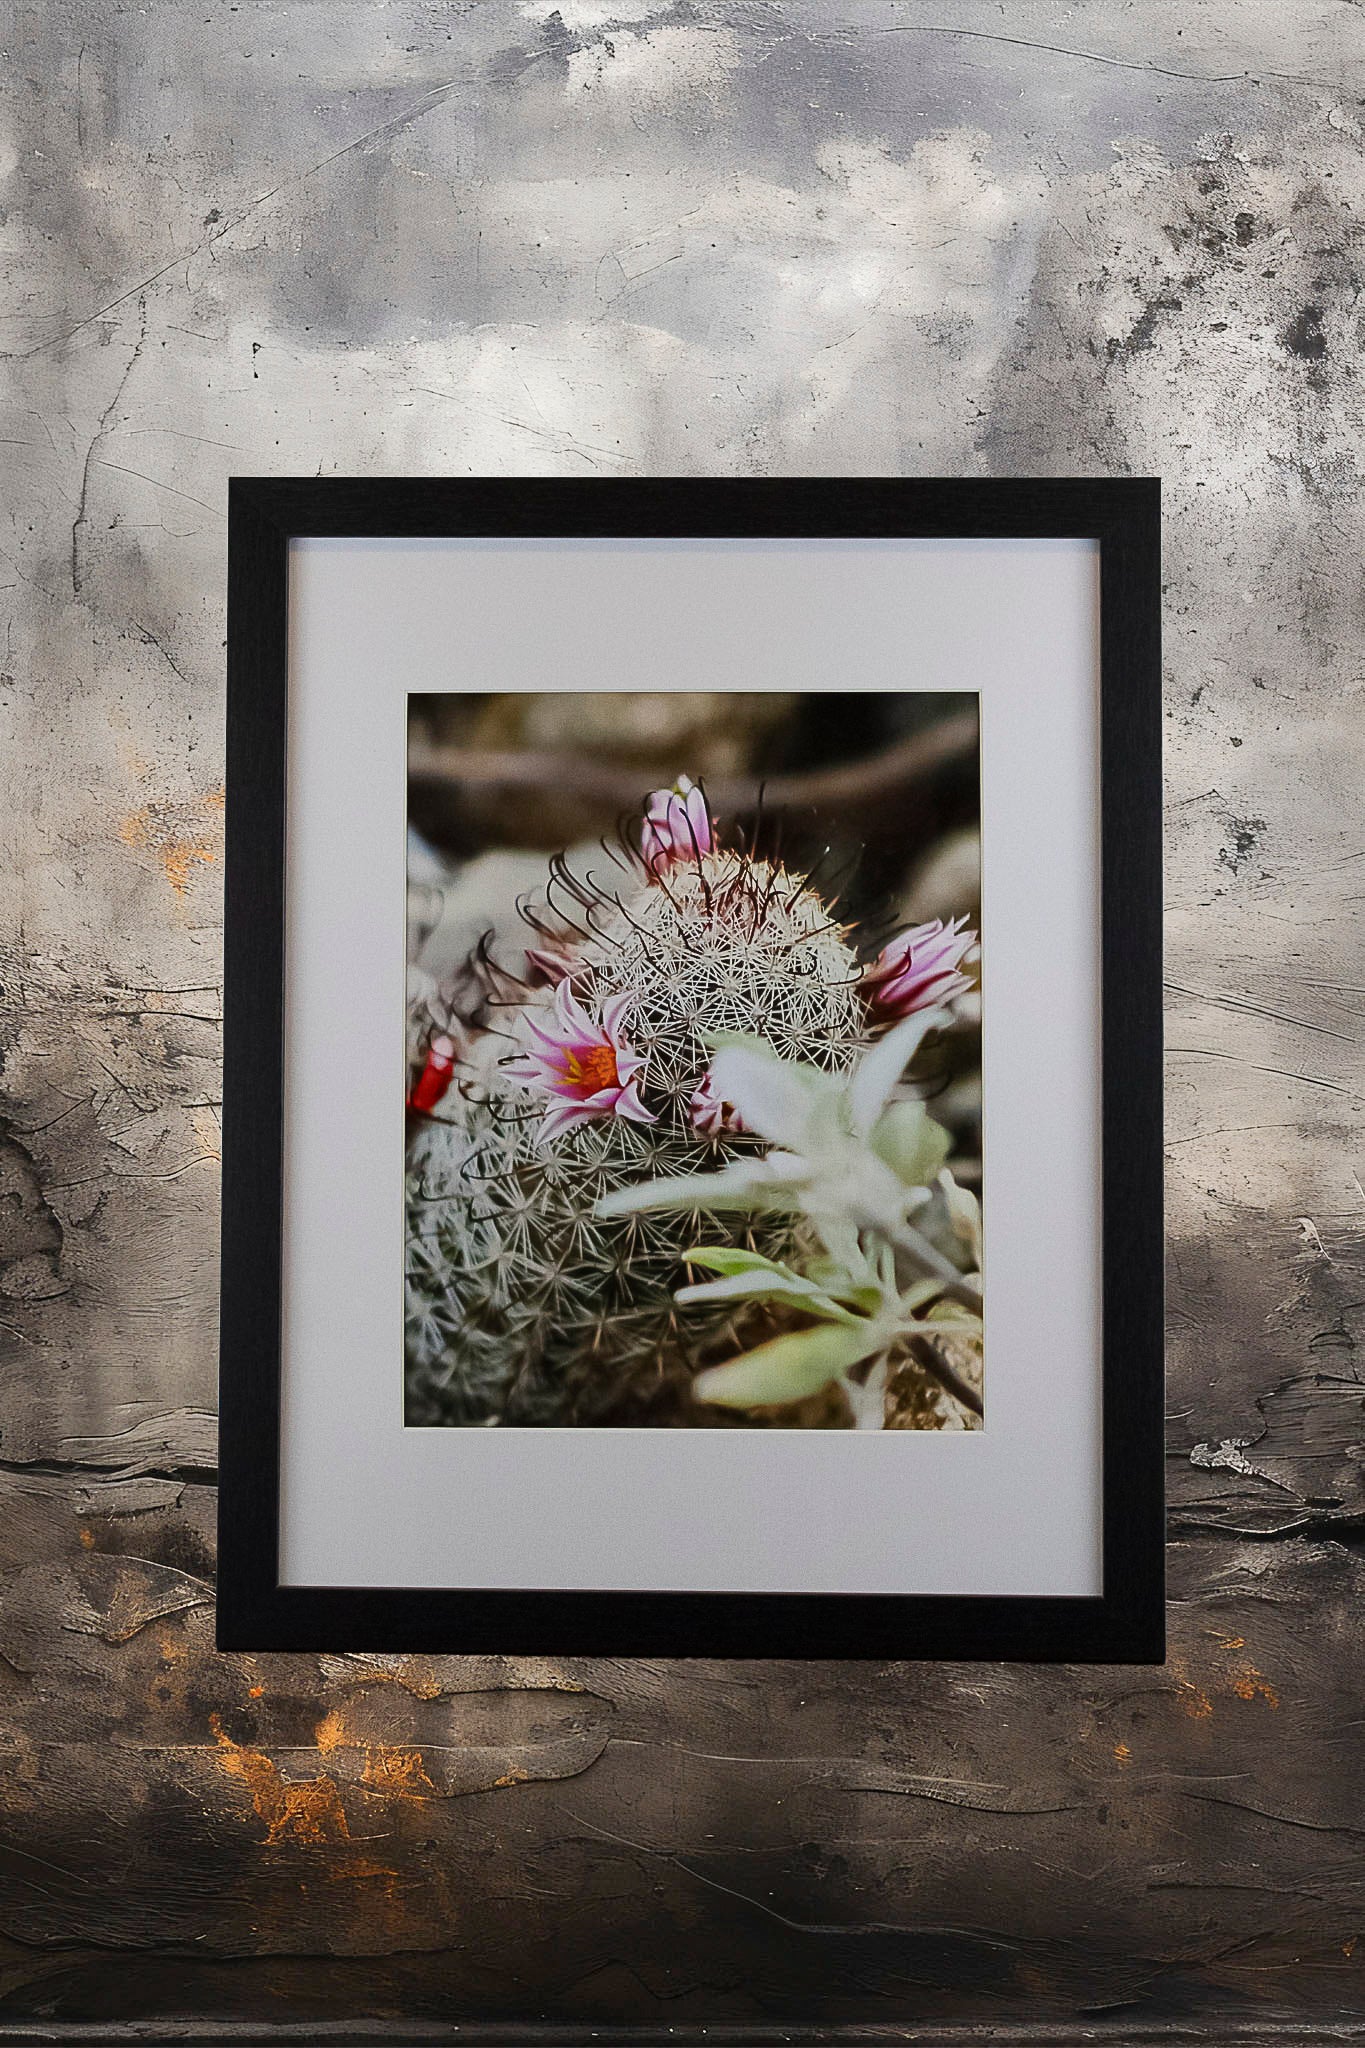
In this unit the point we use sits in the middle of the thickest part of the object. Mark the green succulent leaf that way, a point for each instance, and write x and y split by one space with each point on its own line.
748 1276
908 1140
919 1292
787 1369
832 1280
724 1258
788 1288
946 1320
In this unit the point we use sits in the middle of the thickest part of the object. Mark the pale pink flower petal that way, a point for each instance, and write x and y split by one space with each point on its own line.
628 1104
613 1010
604 1101
677 825
711 1115
570 1015
553 1043
551 966
528 1066
920 969
563 1117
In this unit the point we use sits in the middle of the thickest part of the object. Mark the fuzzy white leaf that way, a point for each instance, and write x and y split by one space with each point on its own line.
879 1070
776 1098
868 1401
743 1185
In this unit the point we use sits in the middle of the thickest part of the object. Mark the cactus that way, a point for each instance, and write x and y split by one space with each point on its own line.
522 1306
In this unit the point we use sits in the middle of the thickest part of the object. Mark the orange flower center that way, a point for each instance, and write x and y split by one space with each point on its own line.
596 1069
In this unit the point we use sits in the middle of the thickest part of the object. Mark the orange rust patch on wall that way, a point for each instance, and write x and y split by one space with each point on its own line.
386 1768
1122 1753
1246 1682
306 1811
177 835
1234 1676
330 1732
1250 1685
413 1675
402 1771
1193 1698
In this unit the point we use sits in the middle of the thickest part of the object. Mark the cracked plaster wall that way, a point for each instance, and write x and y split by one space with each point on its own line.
615 238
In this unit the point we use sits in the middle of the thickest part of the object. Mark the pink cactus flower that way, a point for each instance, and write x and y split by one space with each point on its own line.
920 969
712 1117
586 1066
677 826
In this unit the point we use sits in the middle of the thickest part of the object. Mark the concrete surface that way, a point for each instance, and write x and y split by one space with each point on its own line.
611 238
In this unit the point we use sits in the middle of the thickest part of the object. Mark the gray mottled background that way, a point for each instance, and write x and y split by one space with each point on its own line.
610 239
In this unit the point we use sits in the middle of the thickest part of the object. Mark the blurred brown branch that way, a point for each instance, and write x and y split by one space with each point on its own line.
933 1361
884 778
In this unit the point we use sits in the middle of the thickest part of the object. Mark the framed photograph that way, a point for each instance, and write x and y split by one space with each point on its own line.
692 1124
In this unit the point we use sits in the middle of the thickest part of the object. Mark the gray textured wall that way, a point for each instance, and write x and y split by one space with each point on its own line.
711 239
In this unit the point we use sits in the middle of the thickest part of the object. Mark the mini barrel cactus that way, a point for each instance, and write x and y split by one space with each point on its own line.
587 1074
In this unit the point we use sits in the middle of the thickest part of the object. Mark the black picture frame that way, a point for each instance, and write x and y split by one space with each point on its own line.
1126 1623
